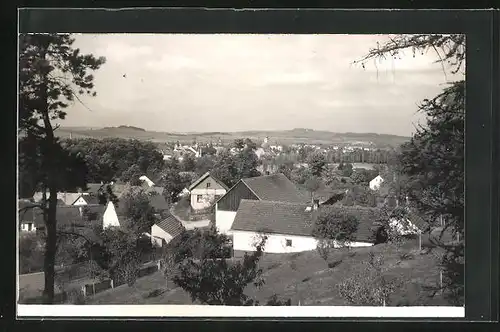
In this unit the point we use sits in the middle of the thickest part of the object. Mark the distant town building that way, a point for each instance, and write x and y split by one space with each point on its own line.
376 182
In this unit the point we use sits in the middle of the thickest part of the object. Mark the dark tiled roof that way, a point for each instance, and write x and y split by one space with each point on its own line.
159 203
155 189
293 219
171 225
26 212
275 187
273 217
93 188
70 215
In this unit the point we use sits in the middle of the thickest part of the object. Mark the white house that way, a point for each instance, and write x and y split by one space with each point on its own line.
110 217
77 199
165 230
288 227
205 191
147 180
275 187
376 182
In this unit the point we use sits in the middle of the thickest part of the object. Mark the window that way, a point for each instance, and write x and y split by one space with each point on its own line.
208 184
30 225
199 198
288 242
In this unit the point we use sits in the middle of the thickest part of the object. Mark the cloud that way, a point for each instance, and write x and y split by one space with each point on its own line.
170 62
121 52
290 78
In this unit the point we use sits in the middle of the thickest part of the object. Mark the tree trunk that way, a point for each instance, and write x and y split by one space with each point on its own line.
50 248
51 171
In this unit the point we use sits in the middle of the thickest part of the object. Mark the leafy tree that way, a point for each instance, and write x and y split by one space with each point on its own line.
370 287
220 281
346 169
119 255
52 74
188 163
336 225
105 195
361 196
226 169
204 164
434 158
312 185
132 175
139 213
30 254
174 183
286 168
247 161
200 244
317 163
300 175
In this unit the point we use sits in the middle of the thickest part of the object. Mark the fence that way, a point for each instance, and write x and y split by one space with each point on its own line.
97 287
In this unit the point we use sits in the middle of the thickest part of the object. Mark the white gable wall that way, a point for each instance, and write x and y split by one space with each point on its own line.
80 201
110 218
376 182
207 199
157 234
224 220
276 243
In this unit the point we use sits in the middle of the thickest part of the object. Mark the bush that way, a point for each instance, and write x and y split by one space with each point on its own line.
74 296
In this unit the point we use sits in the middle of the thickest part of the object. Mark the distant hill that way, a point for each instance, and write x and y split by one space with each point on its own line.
293 136
125 127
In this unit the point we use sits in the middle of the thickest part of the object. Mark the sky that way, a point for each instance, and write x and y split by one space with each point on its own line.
217 82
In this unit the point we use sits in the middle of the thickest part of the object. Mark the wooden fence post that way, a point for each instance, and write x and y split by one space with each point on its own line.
84 291
112 284
441 281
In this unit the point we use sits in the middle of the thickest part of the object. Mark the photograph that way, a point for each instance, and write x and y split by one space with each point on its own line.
312 170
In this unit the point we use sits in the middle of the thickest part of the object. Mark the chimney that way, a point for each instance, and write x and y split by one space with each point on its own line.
315 204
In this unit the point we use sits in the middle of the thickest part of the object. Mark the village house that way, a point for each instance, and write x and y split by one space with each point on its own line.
66 198
73 217
205 191
376 182
165 230
289 226
276 187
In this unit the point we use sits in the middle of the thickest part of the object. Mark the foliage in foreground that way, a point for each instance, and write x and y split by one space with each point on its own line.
199 265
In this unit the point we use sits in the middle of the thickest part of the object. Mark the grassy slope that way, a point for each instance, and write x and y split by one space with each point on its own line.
303 276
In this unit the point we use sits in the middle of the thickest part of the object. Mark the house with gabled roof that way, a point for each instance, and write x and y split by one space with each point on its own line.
288 226
205 191
73 217
65 197
275 187
165 230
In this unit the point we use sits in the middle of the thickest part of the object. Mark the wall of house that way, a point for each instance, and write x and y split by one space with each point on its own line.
110 218
276 243
207 199
224 219
375 183
80 201
25 227
157 234
231 200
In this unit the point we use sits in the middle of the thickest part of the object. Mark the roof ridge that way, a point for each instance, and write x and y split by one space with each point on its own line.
274 201
264 176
